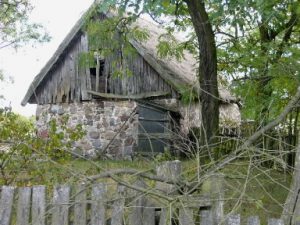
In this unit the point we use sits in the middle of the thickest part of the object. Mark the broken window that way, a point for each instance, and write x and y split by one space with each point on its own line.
102 80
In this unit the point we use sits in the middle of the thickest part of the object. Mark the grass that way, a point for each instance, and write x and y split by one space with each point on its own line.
255 191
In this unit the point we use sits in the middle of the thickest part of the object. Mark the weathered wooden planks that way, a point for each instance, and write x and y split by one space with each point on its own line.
60 205
118 207
6 203
98 204
38 209
133 96
206 216
80 207
142 210
67 81
233 220
253 220
186 216
23 207
126 207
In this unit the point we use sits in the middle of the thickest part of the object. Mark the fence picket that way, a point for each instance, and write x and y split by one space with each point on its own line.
118 207
98 204
233 220
206 216
217 195
149 213
80 205
186 216
275 222
6 203
38 205
60 210
23 208
253 220
143 211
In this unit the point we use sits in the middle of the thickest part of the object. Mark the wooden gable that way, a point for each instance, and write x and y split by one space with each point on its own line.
67 81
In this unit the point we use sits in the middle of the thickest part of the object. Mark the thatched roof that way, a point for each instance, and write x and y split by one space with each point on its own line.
177 73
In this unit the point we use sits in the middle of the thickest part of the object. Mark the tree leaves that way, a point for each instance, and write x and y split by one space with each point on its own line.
15 28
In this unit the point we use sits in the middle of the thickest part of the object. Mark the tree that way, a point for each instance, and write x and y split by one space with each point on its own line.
253 43
15 27
207 72
259 53
206 52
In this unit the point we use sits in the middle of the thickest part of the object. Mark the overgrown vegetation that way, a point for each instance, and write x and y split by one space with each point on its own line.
259 53
15 27
21 146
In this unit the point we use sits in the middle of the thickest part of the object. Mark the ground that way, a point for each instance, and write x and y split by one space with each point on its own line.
263 195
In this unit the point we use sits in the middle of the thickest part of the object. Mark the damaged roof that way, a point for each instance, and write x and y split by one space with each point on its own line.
178 74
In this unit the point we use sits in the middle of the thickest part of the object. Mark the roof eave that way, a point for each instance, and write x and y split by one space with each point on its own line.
53 60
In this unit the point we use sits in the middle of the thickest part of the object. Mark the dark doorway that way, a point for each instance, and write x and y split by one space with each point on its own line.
154 134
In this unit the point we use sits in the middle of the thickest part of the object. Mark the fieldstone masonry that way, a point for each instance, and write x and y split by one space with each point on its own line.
111 126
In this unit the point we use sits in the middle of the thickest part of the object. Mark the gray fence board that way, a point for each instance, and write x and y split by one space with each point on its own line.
253 220
6 203
118 207
233 220
164 217
140 207
149 214
137 205
80 206
206 216
23 208
98 204
275 222
38 208
186 216
60 207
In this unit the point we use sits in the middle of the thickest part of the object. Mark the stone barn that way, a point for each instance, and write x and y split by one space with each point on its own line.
121 116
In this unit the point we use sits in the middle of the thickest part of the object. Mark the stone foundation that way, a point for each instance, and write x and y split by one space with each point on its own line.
111 126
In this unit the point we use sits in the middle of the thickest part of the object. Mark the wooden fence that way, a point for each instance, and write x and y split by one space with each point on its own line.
111 204
31 207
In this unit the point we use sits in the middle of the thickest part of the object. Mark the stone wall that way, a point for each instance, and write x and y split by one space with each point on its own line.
111 126
229 117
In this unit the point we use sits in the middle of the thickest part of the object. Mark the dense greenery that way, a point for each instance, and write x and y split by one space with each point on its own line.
20 145
15 27
257 46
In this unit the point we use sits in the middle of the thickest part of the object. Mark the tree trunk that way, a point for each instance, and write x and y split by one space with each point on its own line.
207 72
291 209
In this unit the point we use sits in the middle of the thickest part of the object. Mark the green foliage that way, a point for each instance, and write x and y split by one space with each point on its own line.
20 146
110 38
168 46
188 95
58 145
14 127
15 28
259 53
165 156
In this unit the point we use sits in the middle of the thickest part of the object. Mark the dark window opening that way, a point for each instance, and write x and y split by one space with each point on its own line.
64 98
102 85
154 129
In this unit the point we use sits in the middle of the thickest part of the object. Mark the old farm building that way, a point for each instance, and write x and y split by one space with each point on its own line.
125 115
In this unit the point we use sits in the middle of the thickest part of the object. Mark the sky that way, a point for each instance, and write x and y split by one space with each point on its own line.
58 17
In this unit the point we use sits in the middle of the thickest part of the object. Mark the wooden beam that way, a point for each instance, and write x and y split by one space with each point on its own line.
97 72
134 96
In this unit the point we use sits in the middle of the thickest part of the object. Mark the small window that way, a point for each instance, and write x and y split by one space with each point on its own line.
154 129
102 86
101 69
